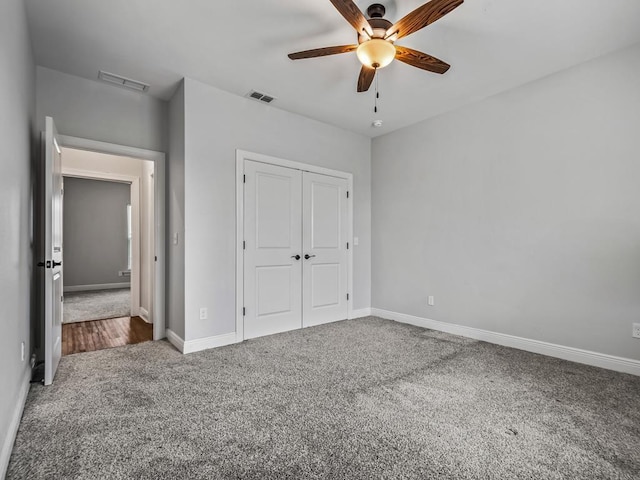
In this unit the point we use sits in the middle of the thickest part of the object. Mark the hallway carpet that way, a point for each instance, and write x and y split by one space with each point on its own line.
96 305
359 399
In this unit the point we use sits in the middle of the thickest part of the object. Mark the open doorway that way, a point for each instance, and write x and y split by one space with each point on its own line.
109 250
50 241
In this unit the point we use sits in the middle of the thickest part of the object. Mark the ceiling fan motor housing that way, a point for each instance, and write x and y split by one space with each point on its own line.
378 24
378 51
376 10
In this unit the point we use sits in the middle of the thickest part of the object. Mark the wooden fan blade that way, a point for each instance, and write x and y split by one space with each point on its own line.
321 52
353 15
366 78
422 16
421 60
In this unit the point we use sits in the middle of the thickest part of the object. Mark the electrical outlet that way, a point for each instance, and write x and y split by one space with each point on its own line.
22 351
431 301
636 330
203 313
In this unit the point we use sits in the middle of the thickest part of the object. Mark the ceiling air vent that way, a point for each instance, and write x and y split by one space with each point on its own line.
122 81
263 97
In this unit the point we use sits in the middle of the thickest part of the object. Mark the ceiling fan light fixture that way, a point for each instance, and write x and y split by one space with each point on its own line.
376 53
377 37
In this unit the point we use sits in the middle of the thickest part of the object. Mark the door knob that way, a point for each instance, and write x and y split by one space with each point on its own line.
297 257
307 256
49 264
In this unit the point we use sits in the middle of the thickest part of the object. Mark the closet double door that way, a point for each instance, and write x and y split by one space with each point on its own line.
295 250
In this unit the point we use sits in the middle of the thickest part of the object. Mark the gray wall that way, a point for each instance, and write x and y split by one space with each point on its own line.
95 231
520 214
17 86
175 211
216 124
98 111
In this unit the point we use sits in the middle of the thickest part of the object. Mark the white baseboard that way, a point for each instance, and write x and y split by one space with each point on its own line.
191 346
602 360
97 286
9 439
175 340
144 314
361 312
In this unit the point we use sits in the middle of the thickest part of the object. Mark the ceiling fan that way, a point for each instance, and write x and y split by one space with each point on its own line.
376 38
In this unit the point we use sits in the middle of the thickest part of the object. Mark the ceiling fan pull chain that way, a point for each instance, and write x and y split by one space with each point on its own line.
375 107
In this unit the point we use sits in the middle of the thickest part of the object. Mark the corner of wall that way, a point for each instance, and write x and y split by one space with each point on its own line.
176 213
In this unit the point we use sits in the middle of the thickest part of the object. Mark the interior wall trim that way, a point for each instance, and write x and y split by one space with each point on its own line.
144 314
175 340
587 357
97 286
192 346
9 439
360 312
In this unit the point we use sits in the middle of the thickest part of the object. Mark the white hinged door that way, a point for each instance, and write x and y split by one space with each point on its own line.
325 249
272 255
52 251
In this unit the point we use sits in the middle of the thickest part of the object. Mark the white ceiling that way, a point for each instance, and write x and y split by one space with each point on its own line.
492 45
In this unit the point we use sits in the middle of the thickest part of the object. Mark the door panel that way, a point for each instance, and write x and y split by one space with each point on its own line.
325 289
273 215
274 290
324 215
325 236
56 308
273 236
53 252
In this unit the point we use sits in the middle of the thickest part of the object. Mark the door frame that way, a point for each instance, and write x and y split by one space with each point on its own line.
241 156
134 193
158 159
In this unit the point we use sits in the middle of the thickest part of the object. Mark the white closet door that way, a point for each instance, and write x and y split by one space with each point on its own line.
325 231
273 236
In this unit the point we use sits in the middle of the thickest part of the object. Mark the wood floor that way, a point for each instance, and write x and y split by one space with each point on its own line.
100 334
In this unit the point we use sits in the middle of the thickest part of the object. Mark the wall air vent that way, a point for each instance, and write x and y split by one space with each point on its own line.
122 81
263 97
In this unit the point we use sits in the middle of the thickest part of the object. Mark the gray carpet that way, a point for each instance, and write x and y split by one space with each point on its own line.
96 305
360 399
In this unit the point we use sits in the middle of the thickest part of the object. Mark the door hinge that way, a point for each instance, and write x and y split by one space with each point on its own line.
347 245
244 245
347 297
62 298
244 179
347 193
244 311
155 258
